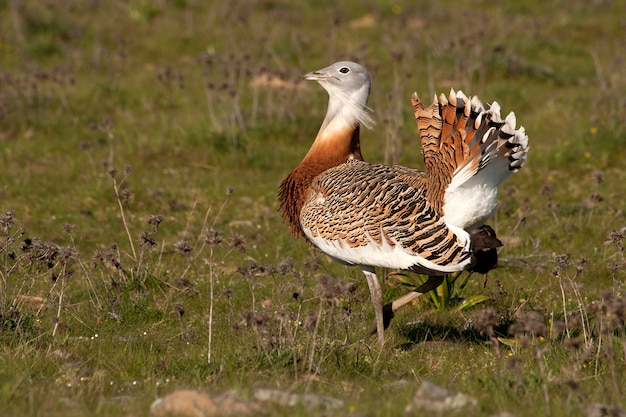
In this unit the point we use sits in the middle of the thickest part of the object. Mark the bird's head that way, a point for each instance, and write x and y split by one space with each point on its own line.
348 85
345 76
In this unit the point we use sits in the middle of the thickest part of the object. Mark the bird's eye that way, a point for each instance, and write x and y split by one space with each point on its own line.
344 70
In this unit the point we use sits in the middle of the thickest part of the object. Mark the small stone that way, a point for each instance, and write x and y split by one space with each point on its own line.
59 354
290 399
358 414
69 402
603 410
433 398
194 403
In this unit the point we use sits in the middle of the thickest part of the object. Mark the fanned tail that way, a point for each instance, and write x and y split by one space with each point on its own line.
466 143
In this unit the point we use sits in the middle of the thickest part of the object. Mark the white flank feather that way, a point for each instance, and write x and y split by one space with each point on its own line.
386 255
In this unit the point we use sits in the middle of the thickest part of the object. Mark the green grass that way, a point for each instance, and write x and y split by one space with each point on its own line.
99 318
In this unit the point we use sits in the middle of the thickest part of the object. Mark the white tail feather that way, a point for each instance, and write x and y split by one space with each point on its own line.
471 197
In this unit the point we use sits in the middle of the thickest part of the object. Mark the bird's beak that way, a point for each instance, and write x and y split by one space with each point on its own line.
317 76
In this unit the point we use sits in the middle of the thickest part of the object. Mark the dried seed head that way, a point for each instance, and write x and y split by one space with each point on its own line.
613 306
178 308
613 267
212 236
484 321
182 283
531 323
176 205
182 246
574 343
598 177
562 261
331 289
239 242
285 266
68 254
616 236
254 269
39 251
146 239
580 265
267 270
552 205
6 220
249 271
125 196
596 197
257 319
285 317
535 323
155 220
546 190
107 258
312 264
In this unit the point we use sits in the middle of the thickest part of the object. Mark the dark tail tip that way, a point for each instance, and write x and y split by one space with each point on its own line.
484 244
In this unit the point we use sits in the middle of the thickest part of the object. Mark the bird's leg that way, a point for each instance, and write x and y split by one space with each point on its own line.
432 283
389 309
376 293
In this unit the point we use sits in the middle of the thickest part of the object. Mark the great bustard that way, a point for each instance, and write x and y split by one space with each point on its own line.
372 215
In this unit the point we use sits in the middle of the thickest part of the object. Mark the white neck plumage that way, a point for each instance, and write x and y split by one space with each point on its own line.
347 110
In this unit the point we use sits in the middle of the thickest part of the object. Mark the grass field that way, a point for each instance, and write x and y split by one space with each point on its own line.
140 246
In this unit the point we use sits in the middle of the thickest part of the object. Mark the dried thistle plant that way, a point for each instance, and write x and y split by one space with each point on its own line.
528 327
331 289
484 321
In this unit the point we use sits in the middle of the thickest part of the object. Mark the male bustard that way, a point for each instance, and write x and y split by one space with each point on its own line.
390 216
